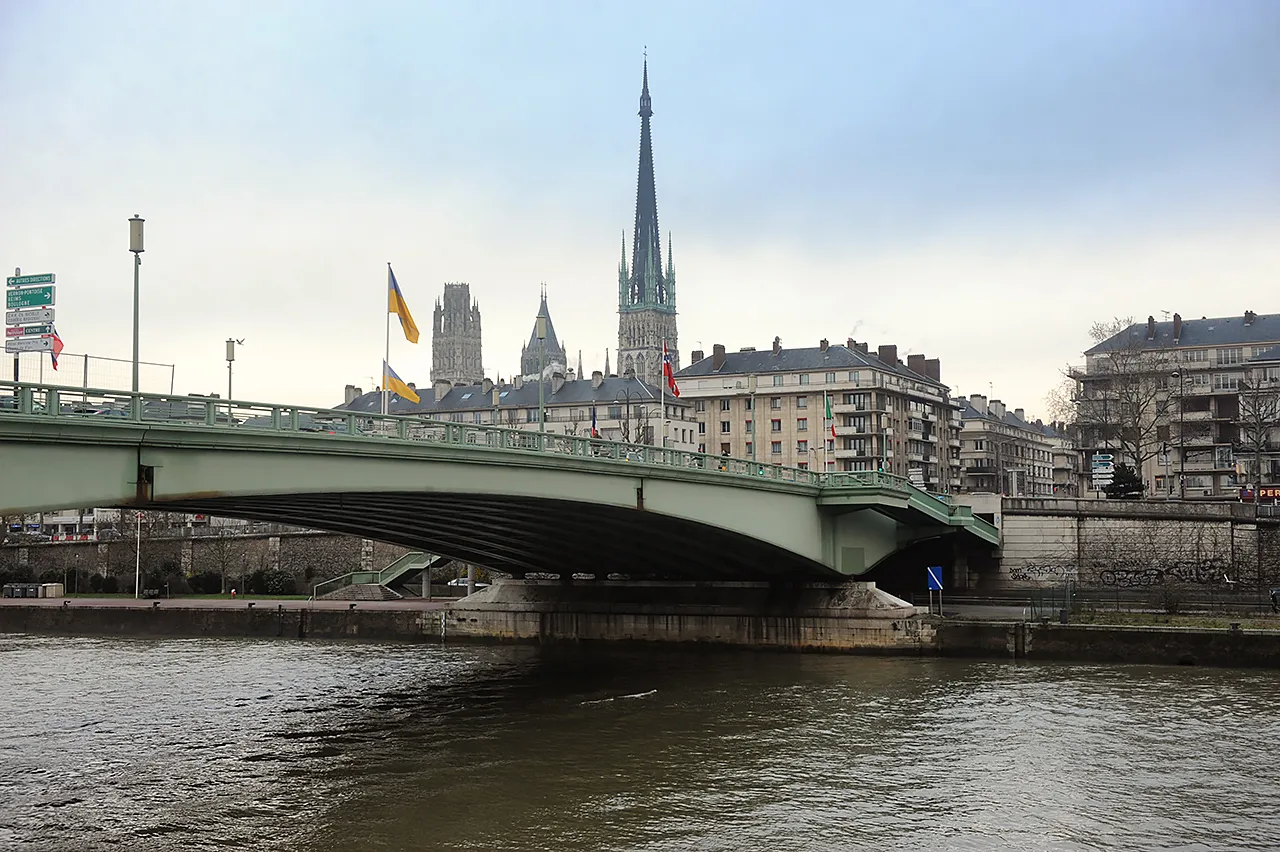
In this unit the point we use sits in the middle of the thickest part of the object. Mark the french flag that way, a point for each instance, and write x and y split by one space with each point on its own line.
667 371
57 347
595 433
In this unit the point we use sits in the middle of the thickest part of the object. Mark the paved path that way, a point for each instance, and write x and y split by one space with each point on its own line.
224 603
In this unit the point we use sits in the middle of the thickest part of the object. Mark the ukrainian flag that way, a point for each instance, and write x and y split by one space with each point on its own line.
396 385
397 305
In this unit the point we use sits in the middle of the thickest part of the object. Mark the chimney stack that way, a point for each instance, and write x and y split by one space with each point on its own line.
915 363
823 344
717 357
696 356
349 393
557 382
441 388
1020 414
486 387
996 407
517 382
1250 317
597 379
851 344
777 345
933 369
978 403
888 354
1151 327
1177 328
861 347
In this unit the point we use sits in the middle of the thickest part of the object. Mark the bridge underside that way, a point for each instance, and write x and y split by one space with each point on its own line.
520 535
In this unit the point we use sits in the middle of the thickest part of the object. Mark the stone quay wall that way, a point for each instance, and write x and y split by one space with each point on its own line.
1133 545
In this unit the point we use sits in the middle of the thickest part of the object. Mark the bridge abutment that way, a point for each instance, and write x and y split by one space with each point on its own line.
852 616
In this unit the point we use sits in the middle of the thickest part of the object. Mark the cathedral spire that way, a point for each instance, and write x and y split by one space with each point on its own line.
647 247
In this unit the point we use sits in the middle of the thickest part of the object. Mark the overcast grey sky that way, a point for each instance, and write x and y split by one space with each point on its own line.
977 181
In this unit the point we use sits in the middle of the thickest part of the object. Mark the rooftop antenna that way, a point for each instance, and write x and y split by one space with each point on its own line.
1166 315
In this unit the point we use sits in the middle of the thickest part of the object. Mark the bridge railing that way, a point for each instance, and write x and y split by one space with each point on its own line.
109 407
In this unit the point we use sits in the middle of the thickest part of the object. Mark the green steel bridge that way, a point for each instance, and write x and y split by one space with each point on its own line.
511 500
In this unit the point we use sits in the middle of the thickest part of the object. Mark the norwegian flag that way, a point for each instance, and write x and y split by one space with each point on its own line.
667 371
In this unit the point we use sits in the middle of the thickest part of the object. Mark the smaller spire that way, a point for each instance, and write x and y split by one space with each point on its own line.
671 266
579 363
606 363
646 104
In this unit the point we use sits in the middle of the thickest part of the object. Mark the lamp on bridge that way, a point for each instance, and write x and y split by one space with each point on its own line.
540 329
231 356
1182 449
135 246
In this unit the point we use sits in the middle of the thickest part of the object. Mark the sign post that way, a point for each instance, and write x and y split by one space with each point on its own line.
30 327
934 574
1103 468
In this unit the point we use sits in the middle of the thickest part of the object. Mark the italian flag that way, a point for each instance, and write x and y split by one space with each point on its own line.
827 400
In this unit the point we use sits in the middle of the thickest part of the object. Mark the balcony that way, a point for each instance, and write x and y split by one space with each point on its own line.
849 408
1192 416
953 442
843 453
852 430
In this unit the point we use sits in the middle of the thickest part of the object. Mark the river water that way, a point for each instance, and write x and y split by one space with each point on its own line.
277 745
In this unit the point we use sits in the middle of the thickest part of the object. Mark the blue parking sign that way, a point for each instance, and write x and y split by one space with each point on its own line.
935 578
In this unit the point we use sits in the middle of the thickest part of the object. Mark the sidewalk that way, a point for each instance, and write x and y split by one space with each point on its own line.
222 603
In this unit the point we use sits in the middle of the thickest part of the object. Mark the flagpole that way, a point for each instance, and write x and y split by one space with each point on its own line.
662 397
825 406
386 352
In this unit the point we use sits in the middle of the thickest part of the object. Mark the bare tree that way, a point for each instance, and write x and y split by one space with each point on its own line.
575 420
1259 415
1060 401
1123 399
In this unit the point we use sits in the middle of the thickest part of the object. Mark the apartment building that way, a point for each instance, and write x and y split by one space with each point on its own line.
1180 391
625 409
771 406
1001 452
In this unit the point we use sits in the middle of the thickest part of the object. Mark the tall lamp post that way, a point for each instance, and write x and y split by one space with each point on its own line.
231 357
1182 449
540 329
135 246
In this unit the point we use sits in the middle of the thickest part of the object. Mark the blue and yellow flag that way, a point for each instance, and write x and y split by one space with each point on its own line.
397 305
396 385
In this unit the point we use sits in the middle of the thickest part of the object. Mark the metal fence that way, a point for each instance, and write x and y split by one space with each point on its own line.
89 371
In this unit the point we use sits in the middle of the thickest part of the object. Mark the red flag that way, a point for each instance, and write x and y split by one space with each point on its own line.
57 348
667 371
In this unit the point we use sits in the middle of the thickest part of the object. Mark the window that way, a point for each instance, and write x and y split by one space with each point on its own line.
855 377
701 405
802 424
702 448
803 465
979 445
1229 356
775 448
477 416
724 449
831 445
615 412
531 415
804 378
777 381
775 425
802 402
830 378
702 428
775 402
802 447
724 427
749 403
1195 355
750 448
750 426
724 405
1225 381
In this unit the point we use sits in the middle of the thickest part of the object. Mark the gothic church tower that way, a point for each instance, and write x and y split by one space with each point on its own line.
455 338
646 293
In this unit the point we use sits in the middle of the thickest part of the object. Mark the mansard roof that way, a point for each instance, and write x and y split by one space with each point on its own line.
1248 328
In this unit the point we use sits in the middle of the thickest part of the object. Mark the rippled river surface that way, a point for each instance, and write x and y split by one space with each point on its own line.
226 744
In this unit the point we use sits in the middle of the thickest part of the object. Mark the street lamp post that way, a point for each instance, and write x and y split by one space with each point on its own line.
137 557
1182 448
135 246
625 397
231 357
540 328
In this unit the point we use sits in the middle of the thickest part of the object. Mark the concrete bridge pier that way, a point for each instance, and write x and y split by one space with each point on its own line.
850 616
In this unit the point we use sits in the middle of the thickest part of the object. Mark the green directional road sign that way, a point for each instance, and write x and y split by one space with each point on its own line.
34 297
24 280
30 330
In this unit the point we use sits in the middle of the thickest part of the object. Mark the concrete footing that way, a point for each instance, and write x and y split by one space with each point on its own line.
847 616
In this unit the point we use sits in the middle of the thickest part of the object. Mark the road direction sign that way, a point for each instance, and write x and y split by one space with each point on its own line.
33 297
29 344
28 330
934 573
22 317
1103 457
26 280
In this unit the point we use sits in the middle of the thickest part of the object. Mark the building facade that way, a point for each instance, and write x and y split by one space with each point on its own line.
1001 452
625 409
771 406
1171 398
547 357
646 291
455 337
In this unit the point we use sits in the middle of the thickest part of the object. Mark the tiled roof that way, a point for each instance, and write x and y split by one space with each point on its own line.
792 360
1010 419
473 397
1212 331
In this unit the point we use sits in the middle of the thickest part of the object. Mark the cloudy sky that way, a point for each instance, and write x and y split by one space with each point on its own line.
978 181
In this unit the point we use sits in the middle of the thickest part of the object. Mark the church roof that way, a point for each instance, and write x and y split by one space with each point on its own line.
552 343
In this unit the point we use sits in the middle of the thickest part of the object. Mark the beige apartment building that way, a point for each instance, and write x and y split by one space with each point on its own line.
1004 453
1195 395
771 406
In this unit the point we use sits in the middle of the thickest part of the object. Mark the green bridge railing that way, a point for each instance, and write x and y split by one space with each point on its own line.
109 408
